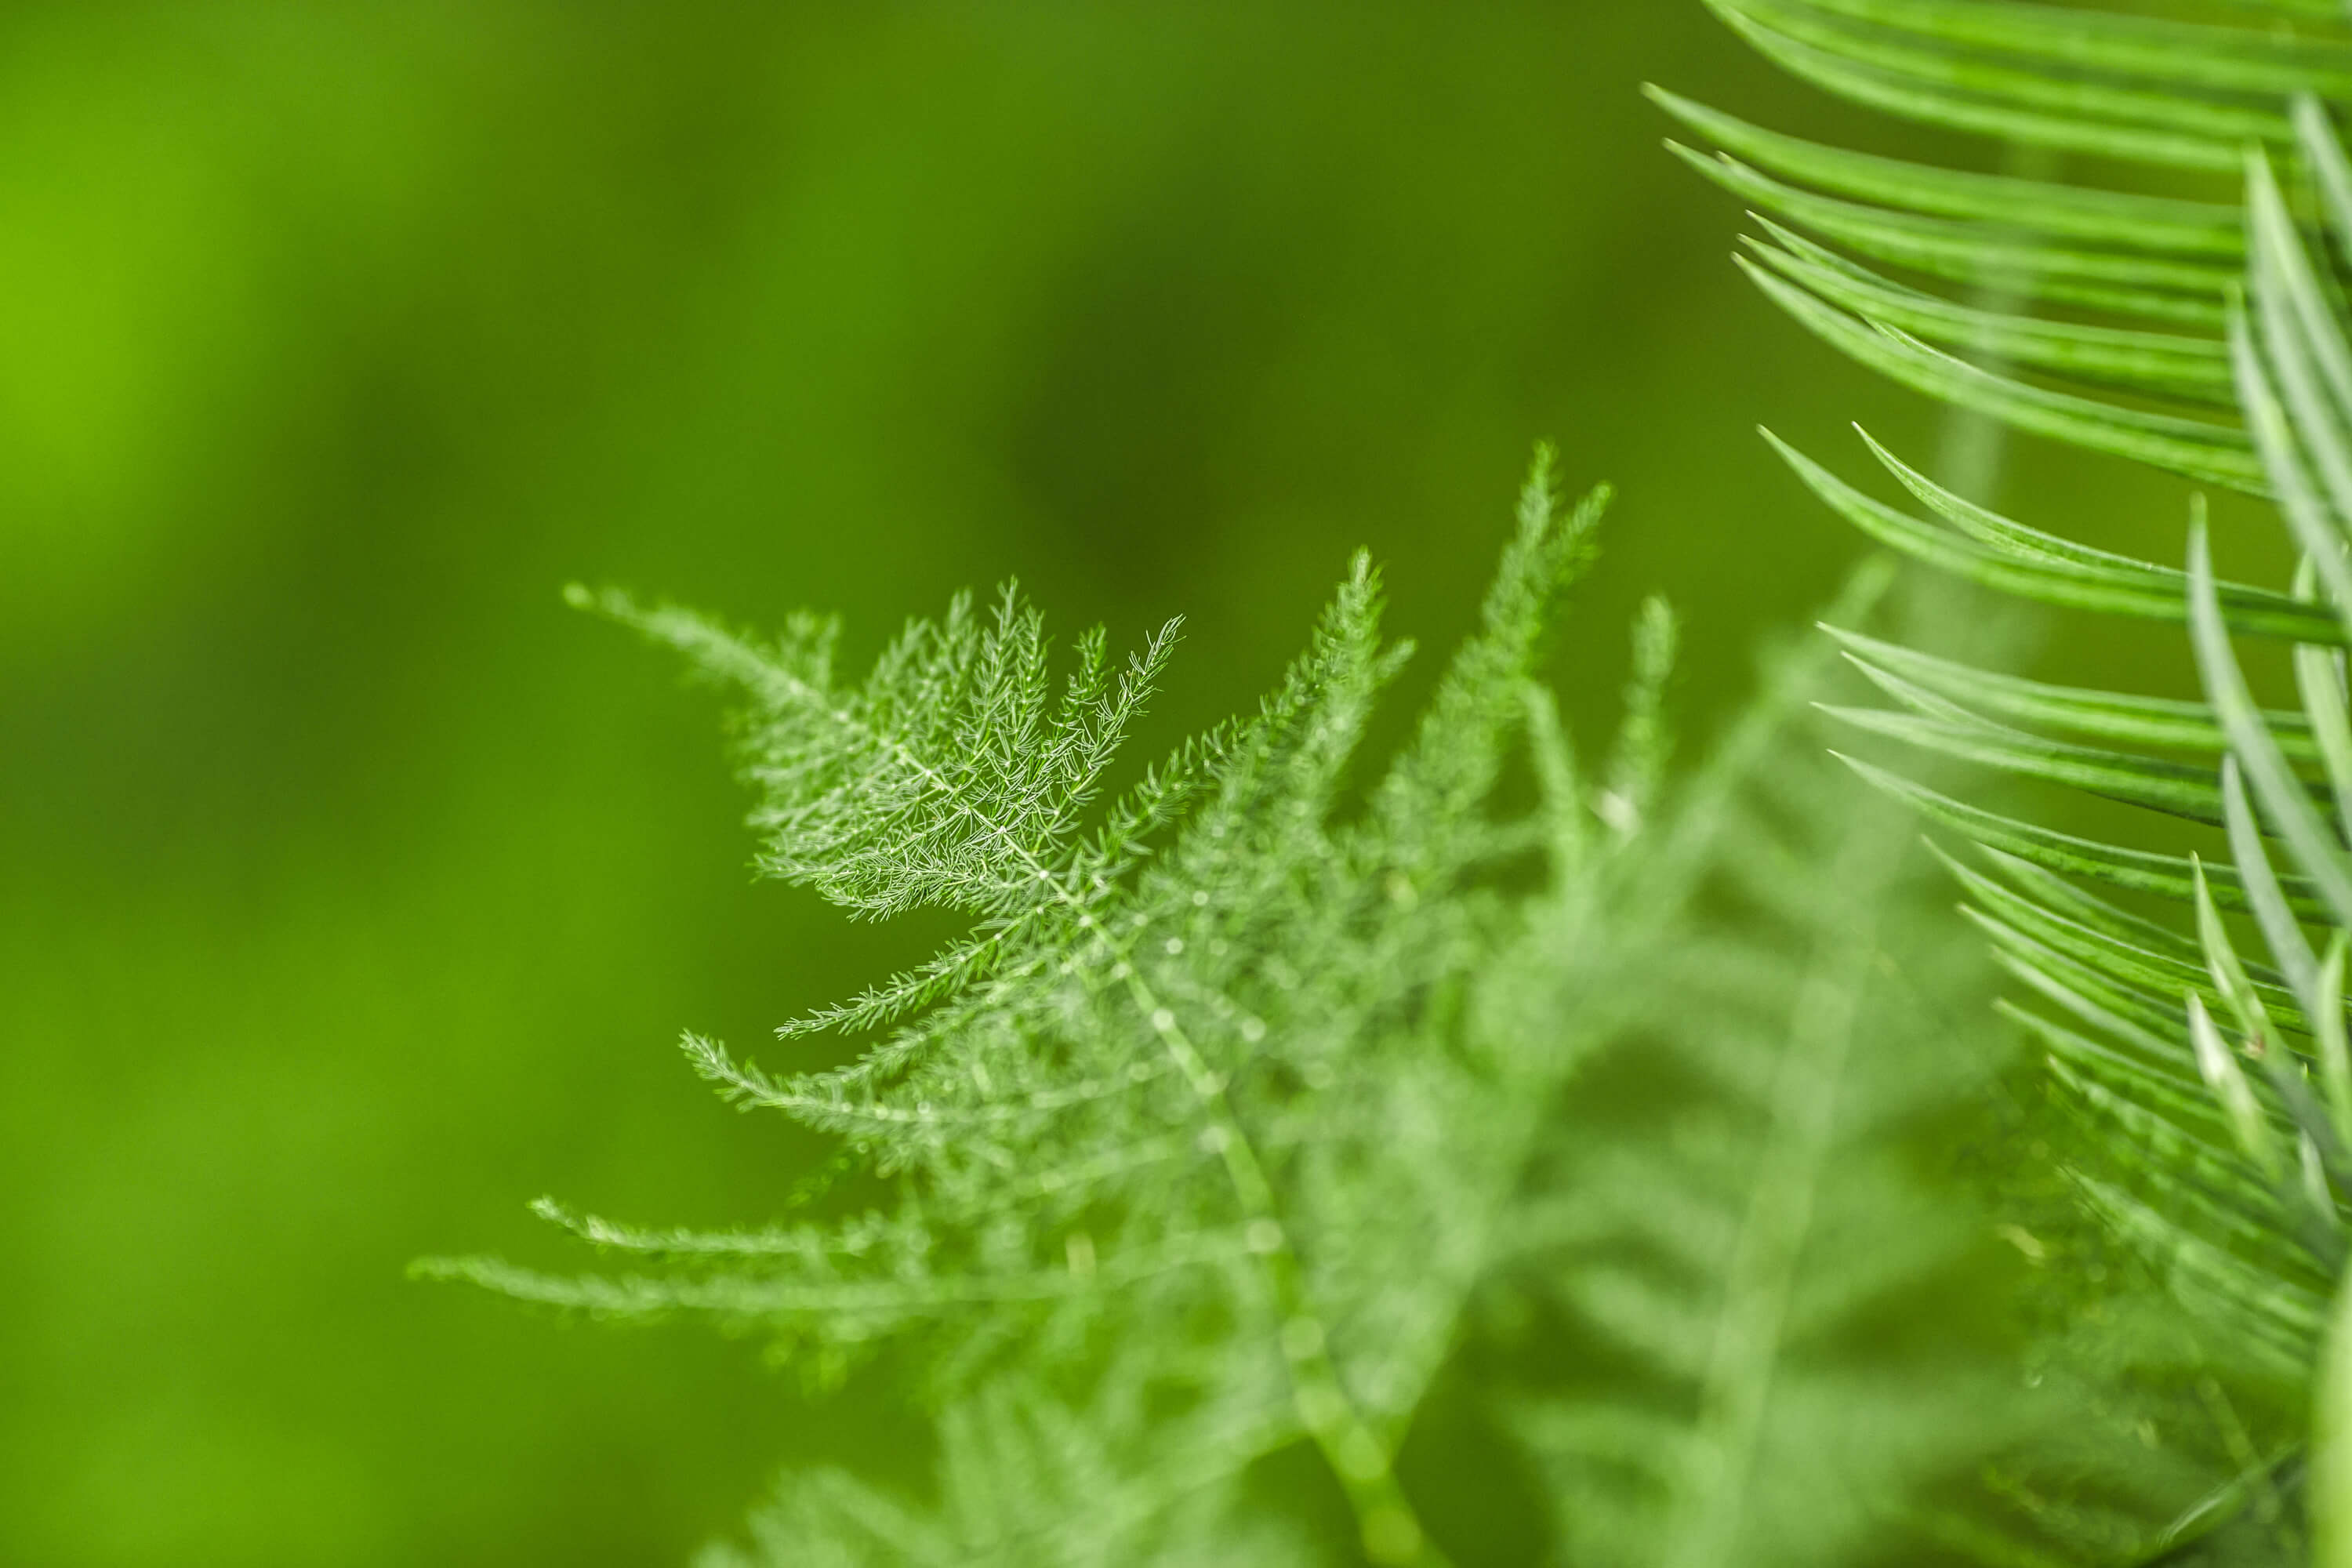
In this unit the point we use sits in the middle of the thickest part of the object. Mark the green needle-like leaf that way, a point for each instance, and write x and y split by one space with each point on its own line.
2279 793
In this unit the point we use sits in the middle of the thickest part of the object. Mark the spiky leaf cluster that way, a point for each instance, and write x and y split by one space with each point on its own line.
2200 1050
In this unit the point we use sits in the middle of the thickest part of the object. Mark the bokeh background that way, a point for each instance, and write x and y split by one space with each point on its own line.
352 890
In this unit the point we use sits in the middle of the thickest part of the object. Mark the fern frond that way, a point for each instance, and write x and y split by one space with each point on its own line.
1210 1100
1238 1141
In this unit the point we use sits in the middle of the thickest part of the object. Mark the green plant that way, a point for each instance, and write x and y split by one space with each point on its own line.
1237 1129
2202 331
1280 1124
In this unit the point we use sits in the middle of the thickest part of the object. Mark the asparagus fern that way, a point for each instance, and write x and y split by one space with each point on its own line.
1240 1123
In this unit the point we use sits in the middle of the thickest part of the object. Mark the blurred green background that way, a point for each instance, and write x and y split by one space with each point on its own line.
354 890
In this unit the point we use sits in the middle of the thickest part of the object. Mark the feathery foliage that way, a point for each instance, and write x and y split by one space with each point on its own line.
1191 1126
2202 1052
1235 1133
